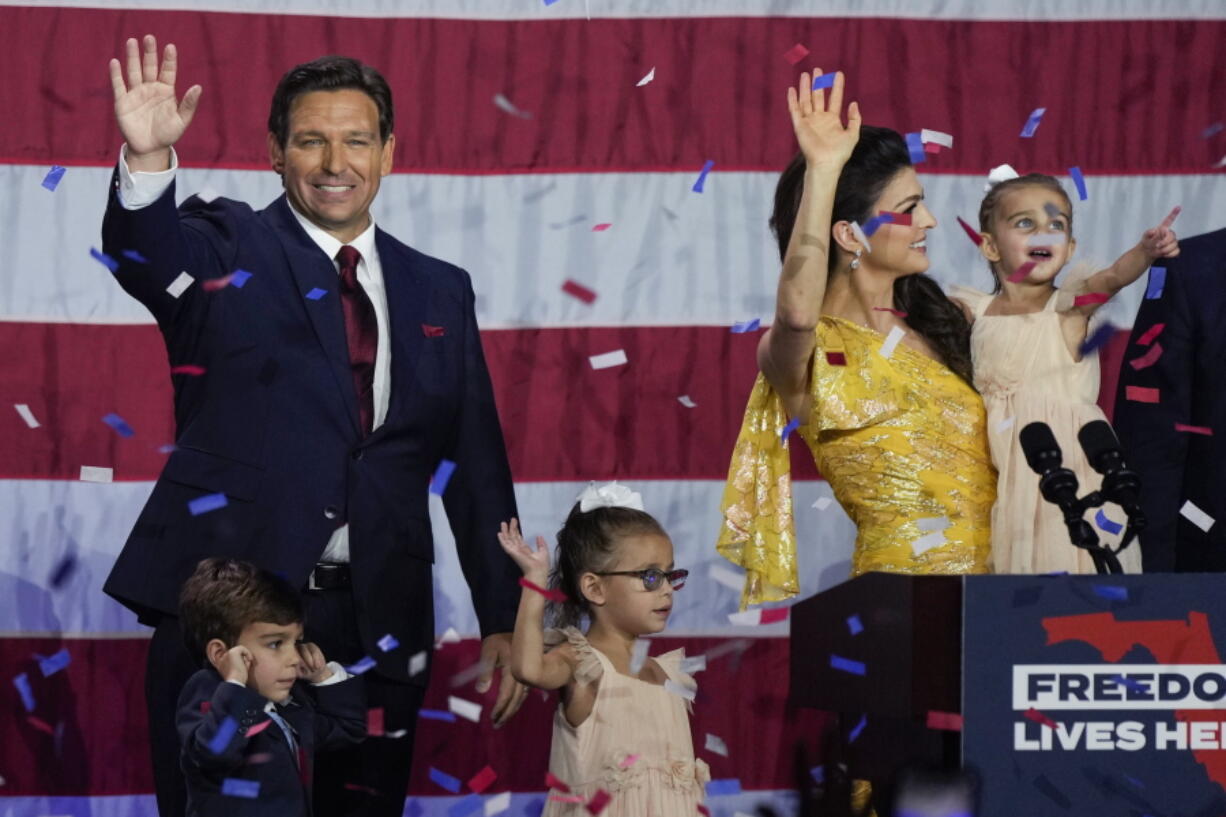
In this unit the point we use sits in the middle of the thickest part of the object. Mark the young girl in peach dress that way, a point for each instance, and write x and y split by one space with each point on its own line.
621 733
1026 344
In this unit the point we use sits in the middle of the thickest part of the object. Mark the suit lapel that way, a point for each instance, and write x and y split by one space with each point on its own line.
312 269
407 301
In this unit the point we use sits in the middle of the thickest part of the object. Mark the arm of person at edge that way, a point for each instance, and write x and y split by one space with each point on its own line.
786 349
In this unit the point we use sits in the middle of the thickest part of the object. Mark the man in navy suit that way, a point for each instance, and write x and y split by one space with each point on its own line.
342 369
1178 444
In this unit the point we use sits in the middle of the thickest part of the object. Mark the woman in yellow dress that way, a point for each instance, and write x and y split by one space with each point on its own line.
870 358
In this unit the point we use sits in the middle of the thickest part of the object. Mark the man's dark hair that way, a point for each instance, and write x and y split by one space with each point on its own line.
223 596
331 73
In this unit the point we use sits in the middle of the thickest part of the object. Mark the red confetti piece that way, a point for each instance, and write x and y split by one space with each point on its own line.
949 721
1151 333
932 147
600 228
258 757
1148 359
897 218
432 331
256 729
1208 432
898 313
704 810
482 779
1091 298
1021 272
40 724
552 595
214 284
205 706
566 798
628 761
1038 717
971 231
598 802
579 291
774 614
836 358
374 722
555 782
361 788
187 368
1141 394
795 54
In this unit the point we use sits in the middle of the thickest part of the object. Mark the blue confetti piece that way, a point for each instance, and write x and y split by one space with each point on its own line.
206 503
116 422
915 146
1105 523
792 425
746 326
719 788
1032 123
1100 337
63 571
1112 592
466 805
873 224
702 177
859 727
823 81
818 773
133 255
436 715
104 259
22 682
388 643
52 179
1135 782
847 665
54 663
237 787
445 780
1134 685
365 665
1157 282
1080 181
221 738
413 807
854 625
316 293
550 2
1215 128
241 277
438 482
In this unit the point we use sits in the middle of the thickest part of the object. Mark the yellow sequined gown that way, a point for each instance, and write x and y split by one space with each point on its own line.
902 442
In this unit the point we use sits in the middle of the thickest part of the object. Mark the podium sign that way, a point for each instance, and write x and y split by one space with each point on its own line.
1096 695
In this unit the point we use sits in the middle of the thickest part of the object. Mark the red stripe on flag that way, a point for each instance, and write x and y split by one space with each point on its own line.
578 78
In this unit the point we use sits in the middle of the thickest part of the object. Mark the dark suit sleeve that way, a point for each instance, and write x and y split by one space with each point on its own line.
340 713
480 495
1147 430
199 726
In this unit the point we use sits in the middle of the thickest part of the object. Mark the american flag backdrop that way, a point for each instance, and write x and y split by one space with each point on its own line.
538 142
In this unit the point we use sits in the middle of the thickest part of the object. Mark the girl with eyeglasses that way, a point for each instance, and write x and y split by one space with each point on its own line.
621 733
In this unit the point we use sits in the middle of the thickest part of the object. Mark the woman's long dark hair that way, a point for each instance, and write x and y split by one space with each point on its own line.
879 155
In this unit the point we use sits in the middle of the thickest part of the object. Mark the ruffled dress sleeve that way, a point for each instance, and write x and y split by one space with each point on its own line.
590 668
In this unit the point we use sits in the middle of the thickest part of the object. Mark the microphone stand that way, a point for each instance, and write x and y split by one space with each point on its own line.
1055 487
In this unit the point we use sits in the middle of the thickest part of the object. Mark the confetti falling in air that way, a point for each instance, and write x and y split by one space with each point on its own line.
1205 430
795 54
928 541
1035 715
1005 424
650 76
599 801
1150 334
1215 128
716 745
898 313
792 425
316 293
52 664
104 259
891 342
451 784
1142 394
680 691
465 709
215 284
971 232
436 715
947 721
1080 182
94 473
553 782
552 595
1105 523
726 786
823 81
417 664
857 729
1091 298
753 618
53 177
1157 282
442 475
22 682
1099 337
686 401
119 425
702 176
1196 516
608 360
482 779
133 255
577 290
847 665
180 284
188 369
366 664
433 331
1021 272
388 643
823 502
860 236
1032 122
936 137
915 147
600 228
508 106
238 787
206 503
1111 592
854 626
746 326
221 738
1148 359
26 415
836 359
239 278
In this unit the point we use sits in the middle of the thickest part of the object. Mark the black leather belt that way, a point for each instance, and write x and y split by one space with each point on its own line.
329 576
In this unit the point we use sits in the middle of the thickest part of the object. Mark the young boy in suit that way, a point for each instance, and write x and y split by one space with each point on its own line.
250 722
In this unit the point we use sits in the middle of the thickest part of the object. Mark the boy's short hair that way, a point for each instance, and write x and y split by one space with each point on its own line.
223 596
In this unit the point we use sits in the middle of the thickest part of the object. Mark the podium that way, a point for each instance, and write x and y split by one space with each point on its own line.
1079 694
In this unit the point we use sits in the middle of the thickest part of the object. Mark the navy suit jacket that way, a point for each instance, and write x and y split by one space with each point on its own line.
1176 466
322 717
273 421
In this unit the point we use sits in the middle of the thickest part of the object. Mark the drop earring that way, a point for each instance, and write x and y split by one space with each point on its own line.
855 262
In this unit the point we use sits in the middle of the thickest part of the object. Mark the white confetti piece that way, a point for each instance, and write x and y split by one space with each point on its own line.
465 709
686 401
716 745
650 76
609 359
822 503
507 105
26 414
179 285
638 656
936 137
450 637
1045 240
417 663
1196 516
469 674
680 691
1005 424
891 342
933 523
497 804
727 577
693 664
750 618
399 733
928 541
860 236
207 194
92 473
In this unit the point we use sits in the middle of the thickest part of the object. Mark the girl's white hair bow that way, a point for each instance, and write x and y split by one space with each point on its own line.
610 495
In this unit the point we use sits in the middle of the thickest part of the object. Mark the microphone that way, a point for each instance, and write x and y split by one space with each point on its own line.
1121 485
1057 484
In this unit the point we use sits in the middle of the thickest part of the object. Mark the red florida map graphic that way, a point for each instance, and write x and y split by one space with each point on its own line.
1170 642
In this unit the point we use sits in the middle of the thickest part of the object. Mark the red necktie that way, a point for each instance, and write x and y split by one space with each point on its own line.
361 334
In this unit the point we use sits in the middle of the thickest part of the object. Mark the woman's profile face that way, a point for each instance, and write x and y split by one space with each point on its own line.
899 249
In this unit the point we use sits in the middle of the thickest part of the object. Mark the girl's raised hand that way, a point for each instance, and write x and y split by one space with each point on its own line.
1160 242
534 563
818 122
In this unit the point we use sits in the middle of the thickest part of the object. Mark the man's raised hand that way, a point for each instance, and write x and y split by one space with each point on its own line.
149 117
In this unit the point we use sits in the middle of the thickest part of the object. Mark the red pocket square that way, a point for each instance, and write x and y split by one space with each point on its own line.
432 331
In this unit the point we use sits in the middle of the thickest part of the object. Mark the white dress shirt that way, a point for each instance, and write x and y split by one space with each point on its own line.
140 189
